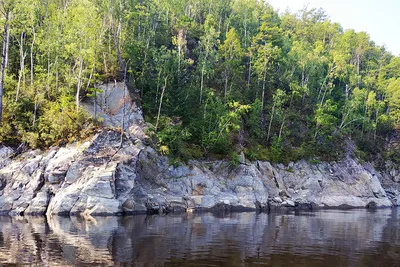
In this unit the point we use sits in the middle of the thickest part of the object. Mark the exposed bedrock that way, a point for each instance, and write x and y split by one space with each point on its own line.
103 177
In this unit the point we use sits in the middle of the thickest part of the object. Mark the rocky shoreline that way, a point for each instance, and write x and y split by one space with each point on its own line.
113 174
106 177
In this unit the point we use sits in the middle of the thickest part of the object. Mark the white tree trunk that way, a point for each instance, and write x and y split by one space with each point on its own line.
22 55
78 88
201 83
161 101
3 64
270 121
32 63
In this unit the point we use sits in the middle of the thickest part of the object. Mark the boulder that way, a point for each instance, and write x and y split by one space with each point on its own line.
5 153
38 205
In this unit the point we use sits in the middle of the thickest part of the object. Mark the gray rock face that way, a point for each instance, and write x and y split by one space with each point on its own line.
90 181
69 180
101 177
260 185
104 178
111 107
39 203
5 152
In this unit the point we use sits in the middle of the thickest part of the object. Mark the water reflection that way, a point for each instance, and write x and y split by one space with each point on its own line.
329 238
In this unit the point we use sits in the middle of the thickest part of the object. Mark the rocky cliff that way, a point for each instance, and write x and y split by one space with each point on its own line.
105 177
117 174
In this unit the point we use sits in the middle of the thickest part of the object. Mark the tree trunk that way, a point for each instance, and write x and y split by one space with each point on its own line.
22 55
358 70
123 108
376 123
249 75
35 109
219 23
7 43
105 63
245 29
56 65
3 64
270 121
78 88
140 21
262 98
324 85
281 129
161 101
94 85
48 70
121 61
32 45
158 86
90 78
226 81
179 58
201 83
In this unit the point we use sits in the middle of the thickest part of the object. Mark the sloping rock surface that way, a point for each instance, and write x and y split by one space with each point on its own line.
111 175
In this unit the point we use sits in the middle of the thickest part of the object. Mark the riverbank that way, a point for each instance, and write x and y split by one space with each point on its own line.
114 174
105 176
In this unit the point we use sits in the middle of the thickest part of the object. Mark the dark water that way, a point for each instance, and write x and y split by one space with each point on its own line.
325 238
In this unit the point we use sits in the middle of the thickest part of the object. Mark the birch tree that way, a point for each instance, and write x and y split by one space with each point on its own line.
6 9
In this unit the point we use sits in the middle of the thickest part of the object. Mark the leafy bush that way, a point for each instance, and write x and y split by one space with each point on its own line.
56 122
17 121
277 153
60 122
257 152
171 138
235 160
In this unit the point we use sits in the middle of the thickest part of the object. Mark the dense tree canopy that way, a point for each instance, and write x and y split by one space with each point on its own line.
215 77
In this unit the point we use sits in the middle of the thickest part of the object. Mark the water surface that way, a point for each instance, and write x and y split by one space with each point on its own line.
323 238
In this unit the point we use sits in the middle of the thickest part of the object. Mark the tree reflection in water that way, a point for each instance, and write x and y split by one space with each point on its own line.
329 238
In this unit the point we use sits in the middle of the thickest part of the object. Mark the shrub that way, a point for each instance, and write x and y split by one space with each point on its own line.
235 160
61 123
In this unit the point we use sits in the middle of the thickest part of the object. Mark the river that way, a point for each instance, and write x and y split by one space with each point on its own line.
321 238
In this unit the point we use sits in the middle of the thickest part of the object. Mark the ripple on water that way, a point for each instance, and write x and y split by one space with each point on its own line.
323 238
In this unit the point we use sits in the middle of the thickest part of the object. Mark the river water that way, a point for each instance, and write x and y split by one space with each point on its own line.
322 238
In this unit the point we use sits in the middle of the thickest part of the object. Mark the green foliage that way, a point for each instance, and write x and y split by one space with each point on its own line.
219 124
325 117
171 138
314 161
253 121
257 152
61 123
394 156
277 153
235 160
232 76
368 148
18 120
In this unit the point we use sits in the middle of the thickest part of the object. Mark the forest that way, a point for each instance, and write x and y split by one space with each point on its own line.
215 78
